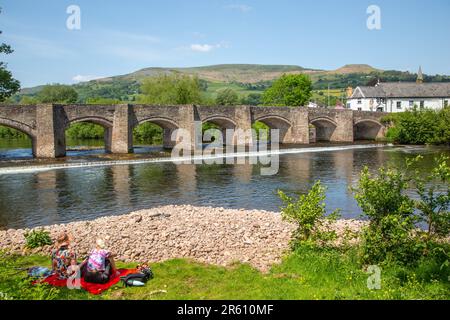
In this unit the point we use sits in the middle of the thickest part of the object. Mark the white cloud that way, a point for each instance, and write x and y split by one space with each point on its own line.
84 78
207 47
202 47
239 7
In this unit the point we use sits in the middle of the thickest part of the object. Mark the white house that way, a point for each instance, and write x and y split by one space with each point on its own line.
400 96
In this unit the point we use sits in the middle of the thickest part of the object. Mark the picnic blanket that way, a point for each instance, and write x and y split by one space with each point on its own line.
93 288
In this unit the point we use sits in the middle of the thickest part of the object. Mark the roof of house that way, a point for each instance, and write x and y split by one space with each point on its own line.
403 90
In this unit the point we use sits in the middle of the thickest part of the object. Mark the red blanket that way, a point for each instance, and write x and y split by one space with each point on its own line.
93 288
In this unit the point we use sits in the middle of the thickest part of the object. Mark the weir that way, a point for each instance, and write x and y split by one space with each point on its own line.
45 124
182 160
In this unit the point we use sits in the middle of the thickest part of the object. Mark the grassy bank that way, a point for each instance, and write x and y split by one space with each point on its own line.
305 274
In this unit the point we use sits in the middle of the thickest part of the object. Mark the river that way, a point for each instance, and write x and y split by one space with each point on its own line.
60 195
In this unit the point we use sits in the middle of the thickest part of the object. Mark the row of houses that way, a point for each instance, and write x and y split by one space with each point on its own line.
399 96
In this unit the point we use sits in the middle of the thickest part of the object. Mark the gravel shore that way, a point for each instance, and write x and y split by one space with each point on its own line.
210 235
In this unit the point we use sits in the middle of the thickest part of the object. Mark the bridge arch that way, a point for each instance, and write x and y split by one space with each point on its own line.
22 127
324 128
367 129
276 122
221 121
96 120
167 126
106 124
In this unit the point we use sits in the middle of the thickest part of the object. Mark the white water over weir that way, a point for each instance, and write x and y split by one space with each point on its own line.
40 168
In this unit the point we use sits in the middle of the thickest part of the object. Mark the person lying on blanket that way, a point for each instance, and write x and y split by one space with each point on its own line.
63 258
100 265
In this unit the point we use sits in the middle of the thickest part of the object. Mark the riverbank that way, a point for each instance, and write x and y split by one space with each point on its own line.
209 235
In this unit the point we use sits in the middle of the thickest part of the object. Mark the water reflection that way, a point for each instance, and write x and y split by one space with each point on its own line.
59 196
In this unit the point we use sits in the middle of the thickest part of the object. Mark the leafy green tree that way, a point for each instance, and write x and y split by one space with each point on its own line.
309 214
25 100
171 89
227 97
57 93
148 133
8 85
253 99
289 90
100 100
85 131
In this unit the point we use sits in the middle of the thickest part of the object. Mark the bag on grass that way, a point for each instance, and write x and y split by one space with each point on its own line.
137 279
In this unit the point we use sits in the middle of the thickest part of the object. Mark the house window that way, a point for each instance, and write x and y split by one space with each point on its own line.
359 109
378 100
399 104
411 103
422 104
445 103
348 105
359 101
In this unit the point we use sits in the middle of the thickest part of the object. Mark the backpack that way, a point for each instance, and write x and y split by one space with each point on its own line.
137 279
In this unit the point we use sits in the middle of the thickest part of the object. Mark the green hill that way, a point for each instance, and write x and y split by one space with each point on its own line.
243 78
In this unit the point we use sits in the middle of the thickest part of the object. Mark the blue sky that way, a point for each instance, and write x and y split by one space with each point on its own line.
118 37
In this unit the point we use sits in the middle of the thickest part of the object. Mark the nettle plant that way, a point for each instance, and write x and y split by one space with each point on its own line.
308 213
37 238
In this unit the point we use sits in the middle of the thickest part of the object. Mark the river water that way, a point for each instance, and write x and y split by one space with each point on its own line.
42 197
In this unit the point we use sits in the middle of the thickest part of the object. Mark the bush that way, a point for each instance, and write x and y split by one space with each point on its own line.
309 214
392 233
37 238
391 216
419 126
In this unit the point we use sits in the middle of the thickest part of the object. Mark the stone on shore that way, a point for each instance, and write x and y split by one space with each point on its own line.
205 234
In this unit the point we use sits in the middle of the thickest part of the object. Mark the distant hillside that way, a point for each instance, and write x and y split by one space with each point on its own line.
354 68
243 78
245 73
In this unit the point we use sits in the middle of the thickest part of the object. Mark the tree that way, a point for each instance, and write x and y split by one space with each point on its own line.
253 99
171 89
57 93
8 85
227 97
100 100
289 90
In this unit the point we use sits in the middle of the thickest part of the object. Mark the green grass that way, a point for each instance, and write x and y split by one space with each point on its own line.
215 87
305 274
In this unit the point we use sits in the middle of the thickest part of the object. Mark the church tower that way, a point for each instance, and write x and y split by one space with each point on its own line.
419 76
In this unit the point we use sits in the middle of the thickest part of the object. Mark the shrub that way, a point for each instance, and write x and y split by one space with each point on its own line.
392 233
419 126
434 198
391 216
309 214
37 238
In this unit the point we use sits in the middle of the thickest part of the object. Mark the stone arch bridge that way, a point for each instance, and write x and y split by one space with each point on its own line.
45 124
